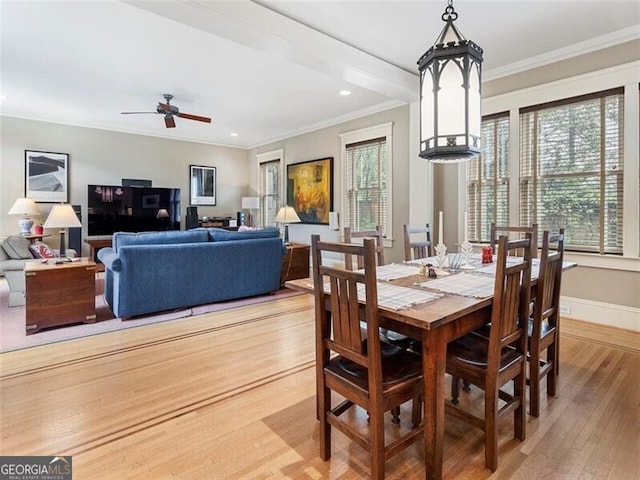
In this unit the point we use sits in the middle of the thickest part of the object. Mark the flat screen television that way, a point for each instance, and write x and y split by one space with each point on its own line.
112 208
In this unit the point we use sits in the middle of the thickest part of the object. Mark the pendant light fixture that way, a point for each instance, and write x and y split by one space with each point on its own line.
450 110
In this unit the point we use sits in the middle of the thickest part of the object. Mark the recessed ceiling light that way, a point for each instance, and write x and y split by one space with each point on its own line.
345 93
233 134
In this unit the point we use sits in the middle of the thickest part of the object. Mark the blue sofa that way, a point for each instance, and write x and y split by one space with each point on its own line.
157 271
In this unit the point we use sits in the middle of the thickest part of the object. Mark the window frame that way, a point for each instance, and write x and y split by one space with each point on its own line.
535 179
367 134
626 75
262 159
495 118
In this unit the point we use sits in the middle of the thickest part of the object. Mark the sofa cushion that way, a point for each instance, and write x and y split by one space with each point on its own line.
222 235
42 250
17 247
195 235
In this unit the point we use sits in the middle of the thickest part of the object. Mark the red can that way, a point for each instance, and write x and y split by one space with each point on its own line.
487 254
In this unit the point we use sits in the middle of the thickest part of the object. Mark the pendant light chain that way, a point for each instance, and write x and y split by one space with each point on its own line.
449 15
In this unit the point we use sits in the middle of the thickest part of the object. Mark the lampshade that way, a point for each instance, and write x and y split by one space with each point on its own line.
25 207
450 100
62 216
250 202
287 215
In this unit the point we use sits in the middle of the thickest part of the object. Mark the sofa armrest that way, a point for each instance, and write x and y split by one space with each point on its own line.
110 258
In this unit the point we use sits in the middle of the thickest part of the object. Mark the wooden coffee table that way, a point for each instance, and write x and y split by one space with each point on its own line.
59 294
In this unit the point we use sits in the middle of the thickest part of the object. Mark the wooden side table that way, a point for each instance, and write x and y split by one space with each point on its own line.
59 294
295 263
94 246
36 237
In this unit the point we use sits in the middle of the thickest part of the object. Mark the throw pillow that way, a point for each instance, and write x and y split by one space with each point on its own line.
222 235
17 247
42 250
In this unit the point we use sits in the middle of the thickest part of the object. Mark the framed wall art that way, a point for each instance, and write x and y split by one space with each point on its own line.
310 189
202 185
46 176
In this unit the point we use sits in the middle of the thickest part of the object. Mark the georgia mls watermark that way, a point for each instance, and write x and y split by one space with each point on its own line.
35 468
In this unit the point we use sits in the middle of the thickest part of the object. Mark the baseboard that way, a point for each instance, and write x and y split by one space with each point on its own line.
602 334
619 316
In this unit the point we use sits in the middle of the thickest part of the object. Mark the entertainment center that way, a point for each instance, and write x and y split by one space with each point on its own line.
134 206
112 208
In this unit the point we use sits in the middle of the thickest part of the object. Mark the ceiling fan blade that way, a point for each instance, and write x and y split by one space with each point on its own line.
134 113
169 121
198 118
164 106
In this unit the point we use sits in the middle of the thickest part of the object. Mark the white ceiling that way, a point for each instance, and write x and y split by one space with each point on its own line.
268 69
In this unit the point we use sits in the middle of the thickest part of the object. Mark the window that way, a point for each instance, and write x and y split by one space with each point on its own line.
367 178
488 179
571 173
270 186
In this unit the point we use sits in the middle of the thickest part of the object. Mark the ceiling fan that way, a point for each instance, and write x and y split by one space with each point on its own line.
169 111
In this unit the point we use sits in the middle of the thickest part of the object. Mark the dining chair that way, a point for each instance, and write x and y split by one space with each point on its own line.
518 232
543 328
355 369
420 247
376 234
492 363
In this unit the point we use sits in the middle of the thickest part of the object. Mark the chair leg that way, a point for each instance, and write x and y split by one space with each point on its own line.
416 412
395 415
466 386
520 416
324 405
534 383
377 445
491 428
455 390
552 376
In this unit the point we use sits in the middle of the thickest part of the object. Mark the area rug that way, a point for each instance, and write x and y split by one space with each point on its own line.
12 319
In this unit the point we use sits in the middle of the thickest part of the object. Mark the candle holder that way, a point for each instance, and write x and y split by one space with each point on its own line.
441 256
466 249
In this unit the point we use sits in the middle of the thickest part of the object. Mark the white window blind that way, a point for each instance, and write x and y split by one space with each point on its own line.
269 192
571 173
366 167
488 180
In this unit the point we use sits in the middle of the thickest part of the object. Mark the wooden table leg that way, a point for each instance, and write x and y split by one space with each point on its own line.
434 357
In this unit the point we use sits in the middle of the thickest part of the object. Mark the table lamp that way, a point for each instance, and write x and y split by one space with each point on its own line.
249 203
25 207
287 215
62 216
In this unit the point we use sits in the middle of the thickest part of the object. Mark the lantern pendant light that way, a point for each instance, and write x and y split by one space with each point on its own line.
450 110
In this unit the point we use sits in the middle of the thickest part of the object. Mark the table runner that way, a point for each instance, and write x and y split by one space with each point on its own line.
393 271
464 284
395 297
490 269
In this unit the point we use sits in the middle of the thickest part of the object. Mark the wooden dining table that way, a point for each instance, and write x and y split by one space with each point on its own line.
435 323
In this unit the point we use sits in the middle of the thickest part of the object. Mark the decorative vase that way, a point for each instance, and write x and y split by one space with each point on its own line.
38 229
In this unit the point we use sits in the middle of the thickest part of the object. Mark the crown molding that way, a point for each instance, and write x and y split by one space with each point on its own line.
598 43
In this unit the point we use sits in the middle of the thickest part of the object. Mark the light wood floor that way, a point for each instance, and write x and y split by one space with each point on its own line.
230 395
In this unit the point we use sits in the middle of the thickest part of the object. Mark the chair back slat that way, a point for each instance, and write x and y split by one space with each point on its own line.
420 247
376 234
511 298
516 233
547 301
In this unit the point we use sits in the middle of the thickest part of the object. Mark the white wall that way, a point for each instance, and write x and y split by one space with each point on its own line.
106 157
326 143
